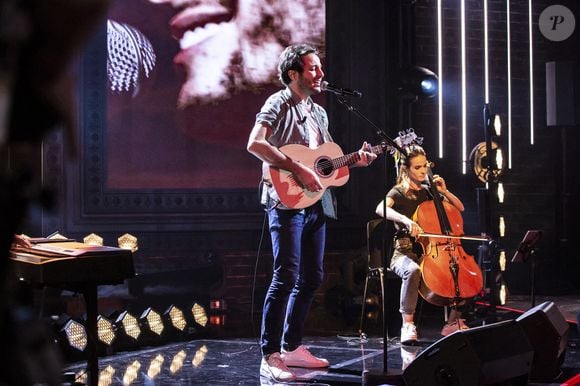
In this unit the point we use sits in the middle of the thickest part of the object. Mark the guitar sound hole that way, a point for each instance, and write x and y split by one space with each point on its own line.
324 166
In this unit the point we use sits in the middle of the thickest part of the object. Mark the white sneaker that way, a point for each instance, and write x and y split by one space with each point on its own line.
301 357
408 333
274 368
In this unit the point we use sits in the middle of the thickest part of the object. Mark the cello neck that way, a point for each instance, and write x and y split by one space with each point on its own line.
441 214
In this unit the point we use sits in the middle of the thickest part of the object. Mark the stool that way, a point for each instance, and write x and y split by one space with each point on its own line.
376 249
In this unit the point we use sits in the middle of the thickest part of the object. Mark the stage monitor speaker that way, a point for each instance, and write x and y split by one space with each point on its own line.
547 331
495 354
563 93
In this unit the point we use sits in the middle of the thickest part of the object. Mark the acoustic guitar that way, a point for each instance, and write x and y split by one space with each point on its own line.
327 161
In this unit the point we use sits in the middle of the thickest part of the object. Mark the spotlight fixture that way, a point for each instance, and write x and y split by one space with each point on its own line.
497 125
501 226
176 318
502 260
76 334
418 83
57 236
129 324
105 330
478 158
217 320
503 292
199 315
128 241
153 320
500 193
217 304
93 239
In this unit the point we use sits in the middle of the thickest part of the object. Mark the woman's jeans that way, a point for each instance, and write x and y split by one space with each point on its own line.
298 238
405 263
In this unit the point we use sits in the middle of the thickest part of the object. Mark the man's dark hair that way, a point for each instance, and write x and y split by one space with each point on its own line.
291 59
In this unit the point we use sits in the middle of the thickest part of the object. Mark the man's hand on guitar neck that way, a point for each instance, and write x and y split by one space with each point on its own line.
366 156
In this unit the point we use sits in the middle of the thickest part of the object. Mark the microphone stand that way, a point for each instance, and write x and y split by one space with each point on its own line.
386 375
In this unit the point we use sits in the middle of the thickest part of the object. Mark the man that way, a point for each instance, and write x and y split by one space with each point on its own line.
289 116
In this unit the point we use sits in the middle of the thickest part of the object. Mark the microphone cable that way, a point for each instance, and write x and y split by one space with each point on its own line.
258 255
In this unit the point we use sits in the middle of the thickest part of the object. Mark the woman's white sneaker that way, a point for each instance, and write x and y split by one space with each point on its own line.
408 333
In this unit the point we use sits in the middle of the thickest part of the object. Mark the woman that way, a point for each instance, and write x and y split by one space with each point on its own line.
401 202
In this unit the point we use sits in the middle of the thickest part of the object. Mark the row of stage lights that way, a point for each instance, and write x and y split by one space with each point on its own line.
488 161
125 241
124 331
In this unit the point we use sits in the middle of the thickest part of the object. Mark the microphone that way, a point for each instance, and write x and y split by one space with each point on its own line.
325 86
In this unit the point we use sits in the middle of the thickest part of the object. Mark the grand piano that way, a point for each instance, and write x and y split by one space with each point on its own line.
75 266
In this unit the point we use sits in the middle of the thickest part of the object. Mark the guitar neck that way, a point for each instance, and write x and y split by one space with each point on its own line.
352 158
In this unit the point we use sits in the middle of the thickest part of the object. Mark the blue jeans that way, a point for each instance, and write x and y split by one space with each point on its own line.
405 263
298 238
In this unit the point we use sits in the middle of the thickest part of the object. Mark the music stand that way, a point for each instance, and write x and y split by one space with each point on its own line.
526 251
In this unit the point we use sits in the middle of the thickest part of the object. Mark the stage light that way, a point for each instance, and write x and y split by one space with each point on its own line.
503 293
128 241
93 239
502 260
499 159
76 334
497 125
129 324
217 320
217 304
153 320
479 161
177 362
500 193
155 366
501 226
105 330
176 318
57 236
199 315
418 82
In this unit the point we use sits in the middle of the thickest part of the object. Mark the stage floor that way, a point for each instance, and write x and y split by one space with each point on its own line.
236 361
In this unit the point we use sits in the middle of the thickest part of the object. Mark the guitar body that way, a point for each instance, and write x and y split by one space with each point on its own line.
291 193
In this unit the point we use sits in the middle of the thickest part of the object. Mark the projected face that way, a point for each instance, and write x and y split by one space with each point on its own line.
233 45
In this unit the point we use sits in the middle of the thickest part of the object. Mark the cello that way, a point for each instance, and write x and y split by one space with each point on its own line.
449 276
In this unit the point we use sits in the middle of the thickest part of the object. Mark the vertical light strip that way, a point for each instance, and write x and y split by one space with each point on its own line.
509 82
463 94
485 53
531 73
440 73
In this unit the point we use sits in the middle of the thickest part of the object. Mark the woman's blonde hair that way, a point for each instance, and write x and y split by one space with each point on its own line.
403 180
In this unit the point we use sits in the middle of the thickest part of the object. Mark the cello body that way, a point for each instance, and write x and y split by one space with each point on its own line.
449 276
